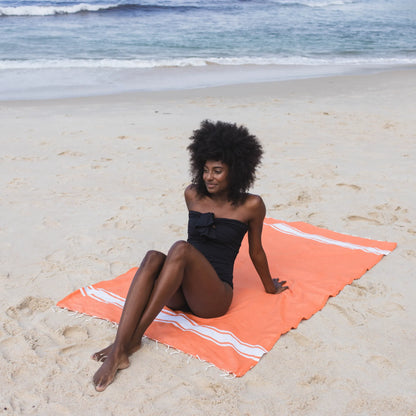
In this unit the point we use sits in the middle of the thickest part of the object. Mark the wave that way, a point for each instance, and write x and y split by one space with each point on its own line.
51 10
198 62
313 3
86 8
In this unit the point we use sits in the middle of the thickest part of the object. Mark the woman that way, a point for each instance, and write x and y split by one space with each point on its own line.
196 275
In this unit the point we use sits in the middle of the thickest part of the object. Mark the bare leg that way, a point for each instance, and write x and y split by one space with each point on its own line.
136 301
177 301
185 272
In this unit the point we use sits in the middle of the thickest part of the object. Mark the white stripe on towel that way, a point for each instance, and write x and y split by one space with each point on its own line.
287 229
219 337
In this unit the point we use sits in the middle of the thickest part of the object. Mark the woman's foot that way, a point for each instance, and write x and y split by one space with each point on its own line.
107 372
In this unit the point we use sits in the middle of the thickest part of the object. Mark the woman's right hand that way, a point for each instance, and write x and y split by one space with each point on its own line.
279 286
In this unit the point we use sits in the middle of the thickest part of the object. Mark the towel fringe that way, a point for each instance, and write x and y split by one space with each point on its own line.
85 316
228 376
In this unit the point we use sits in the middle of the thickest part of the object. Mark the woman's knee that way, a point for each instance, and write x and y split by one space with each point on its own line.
179 250
154 257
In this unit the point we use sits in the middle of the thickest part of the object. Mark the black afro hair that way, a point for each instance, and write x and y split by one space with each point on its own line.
230 144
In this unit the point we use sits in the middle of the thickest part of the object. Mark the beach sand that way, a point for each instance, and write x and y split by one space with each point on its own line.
88 185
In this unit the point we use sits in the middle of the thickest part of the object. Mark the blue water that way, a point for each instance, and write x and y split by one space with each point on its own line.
64 48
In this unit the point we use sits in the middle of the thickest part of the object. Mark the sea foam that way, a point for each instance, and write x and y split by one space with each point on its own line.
52 10
199 62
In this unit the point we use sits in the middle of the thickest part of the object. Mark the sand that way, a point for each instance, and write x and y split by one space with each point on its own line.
88 185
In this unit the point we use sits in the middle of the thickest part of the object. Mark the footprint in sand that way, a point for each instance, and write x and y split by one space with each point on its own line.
394 307
302 198
51 223
389 125
386 214
72 339
316 379
369 288
75 333
124 220
380 361
409 253
391 214
54 261
385 218
387 310
305 197
120 223
28 306
360 218
352 186
71 153
17 183
300 339
347 314
29 334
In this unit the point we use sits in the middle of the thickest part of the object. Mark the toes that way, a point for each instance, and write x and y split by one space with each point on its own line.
101 387
101 355
101 383
98 356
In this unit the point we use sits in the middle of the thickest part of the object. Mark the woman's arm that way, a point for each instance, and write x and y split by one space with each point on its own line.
257 254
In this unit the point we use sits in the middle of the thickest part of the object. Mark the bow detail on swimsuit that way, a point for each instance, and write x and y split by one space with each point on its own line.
205 225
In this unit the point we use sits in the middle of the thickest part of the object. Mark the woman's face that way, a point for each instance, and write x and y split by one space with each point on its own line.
215 176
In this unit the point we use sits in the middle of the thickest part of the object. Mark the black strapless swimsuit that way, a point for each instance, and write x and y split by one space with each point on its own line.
218 239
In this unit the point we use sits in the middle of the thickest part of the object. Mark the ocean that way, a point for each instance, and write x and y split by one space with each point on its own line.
51 49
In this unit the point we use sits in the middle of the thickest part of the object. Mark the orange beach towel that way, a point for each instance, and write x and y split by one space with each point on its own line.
316 263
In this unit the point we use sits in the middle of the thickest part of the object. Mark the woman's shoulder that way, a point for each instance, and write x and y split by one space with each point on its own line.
254 207
191 194
253 201
190 191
